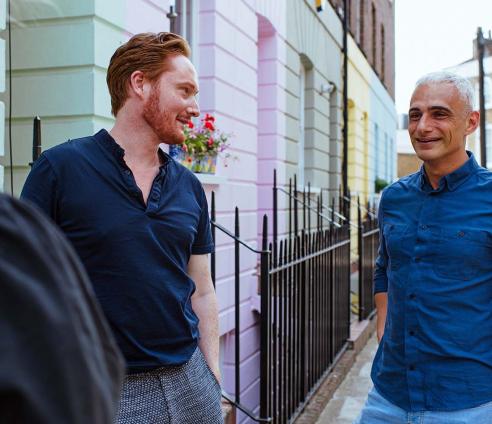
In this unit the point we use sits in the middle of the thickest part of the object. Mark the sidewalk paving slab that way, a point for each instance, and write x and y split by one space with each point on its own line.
360 333
349 398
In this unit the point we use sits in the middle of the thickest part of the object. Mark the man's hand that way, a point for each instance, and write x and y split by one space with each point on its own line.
216 373
381 301
204 304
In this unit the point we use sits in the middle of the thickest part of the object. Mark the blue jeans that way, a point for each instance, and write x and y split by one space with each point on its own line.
378 410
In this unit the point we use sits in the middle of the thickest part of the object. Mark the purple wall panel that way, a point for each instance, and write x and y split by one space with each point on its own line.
247 315
249 398
251 336
249 372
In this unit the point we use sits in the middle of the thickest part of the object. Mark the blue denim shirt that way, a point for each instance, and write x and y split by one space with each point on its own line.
435 263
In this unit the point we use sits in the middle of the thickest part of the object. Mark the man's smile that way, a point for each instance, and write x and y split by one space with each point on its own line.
183 121
427 140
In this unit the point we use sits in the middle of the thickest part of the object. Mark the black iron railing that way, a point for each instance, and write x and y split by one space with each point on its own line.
368 247
304 286
307 318
264 257
304 283
305 304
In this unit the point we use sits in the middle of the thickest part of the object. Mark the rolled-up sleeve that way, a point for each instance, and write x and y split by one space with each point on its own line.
203 243
380 276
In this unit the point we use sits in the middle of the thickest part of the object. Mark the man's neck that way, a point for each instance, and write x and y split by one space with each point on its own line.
435 170
139 142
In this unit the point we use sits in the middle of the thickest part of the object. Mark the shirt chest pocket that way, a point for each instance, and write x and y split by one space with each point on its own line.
398 244
463 254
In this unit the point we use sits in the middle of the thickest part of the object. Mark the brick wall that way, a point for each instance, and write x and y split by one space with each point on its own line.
364 32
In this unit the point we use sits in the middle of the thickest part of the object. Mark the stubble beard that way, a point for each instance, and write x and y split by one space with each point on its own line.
161 121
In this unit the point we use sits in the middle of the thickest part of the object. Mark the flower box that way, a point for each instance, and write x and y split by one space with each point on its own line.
201 147
203 165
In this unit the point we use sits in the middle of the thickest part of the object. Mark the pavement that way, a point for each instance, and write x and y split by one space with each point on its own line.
350 397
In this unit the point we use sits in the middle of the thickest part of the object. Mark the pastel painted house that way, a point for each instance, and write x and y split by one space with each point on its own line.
269 71
372 128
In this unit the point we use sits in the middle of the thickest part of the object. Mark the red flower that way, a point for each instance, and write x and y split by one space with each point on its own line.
209 118
209 125
190 124
184 147
189 159
210 142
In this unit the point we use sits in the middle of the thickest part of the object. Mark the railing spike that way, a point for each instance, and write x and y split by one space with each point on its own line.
237 311
213 256
36 139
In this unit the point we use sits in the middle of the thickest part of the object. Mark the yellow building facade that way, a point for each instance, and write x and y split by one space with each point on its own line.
372 125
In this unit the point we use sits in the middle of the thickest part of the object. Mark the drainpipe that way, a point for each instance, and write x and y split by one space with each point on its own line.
345 102
483 141
172 15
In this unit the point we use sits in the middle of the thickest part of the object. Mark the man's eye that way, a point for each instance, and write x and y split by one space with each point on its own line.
414 117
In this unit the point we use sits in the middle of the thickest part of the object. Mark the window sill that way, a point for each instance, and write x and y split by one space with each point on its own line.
314 190
211 179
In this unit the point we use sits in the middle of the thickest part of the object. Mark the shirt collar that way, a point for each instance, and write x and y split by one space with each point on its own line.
455 178
109 143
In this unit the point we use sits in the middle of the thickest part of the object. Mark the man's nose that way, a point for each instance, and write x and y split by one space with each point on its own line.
194 109
424 124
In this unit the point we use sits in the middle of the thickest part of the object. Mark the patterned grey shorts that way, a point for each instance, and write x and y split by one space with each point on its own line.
185 394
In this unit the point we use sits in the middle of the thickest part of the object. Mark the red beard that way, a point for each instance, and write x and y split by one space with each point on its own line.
162 123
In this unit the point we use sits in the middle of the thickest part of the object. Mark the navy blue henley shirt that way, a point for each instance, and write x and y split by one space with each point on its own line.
136 254
435 263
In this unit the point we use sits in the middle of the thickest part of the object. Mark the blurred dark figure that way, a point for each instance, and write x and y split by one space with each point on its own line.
58 360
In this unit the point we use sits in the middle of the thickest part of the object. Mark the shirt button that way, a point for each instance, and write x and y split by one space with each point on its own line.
417 259
412 333
461 234
411 367
423 227
127 171
412 296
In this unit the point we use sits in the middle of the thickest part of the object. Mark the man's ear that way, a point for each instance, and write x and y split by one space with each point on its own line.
473 122
137 84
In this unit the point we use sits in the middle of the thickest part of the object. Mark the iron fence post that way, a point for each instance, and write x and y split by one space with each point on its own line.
264 325
275 215
36 139
237 309
212 256
296 212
